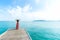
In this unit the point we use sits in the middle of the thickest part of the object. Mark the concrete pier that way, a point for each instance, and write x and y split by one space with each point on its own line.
20 34
17 34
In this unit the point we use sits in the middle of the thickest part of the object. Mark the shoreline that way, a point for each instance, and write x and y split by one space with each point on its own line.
3 34
28 35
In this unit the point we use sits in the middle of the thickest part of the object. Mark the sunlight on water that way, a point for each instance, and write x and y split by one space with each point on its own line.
43 30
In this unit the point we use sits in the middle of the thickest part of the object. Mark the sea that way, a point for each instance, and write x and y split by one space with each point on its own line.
42 30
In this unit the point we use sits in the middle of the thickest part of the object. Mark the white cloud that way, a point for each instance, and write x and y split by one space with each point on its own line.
15 12
4 18
20 13
50 12
1 16
37 1
26 8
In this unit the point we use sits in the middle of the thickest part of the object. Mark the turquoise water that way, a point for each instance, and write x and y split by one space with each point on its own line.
37 30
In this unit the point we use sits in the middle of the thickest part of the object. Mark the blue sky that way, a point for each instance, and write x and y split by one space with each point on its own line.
29 10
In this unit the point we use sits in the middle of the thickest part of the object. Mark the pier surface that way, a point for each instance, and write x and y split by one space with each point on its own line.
20 34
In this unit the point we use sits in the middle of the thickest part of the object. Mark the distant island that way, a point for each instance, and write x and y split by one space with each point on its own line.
38 20
46 20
